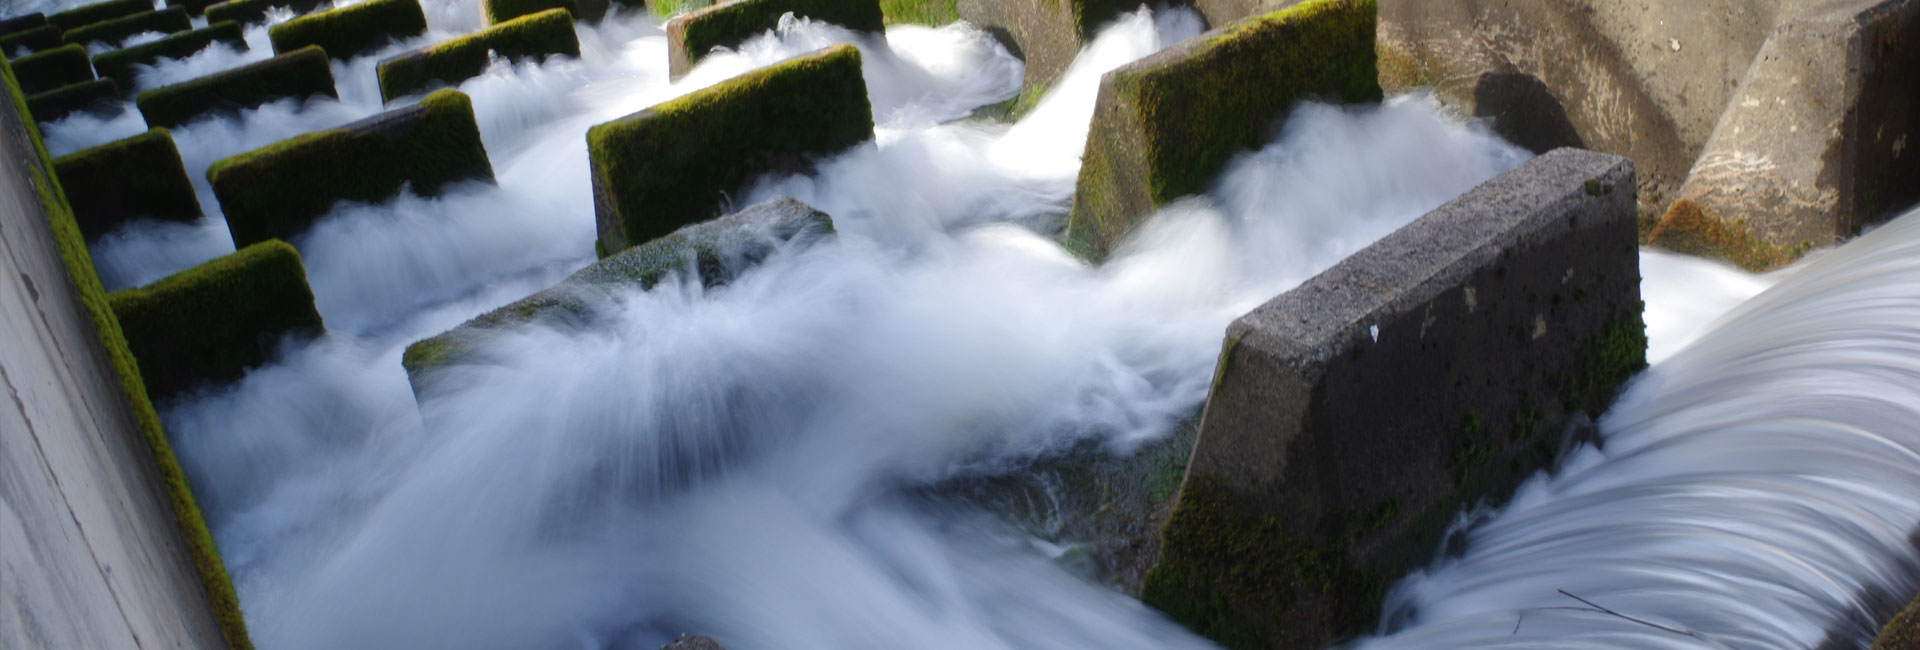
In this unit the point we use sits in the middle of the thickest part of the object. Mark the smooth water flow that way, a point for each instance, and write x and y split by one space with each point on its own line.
746 462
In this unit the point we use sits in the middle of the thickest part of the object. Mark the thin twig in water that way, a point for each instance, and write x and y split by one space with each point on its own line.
1516 624
1650 624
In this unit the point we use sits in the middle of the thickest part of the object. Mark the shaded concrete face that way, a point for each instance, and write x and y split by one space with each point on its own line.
90 554
1355 415
1041 32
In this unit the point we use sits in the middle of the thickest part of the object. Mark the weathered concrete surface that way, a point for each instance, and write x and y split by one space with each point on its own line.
90 553
691 36
1354 416
690 642
1815 142
1047 34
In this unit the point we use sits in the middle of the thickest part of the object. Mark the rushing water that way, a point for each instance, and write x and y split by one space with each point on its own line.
742 462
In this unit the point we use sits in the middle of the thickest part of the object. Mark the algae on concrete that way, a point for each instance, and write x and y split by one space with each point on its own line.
130 178
249 12
97 96
351 30
691 36
112 32
84 15
300 74
118 65
532 37
50 70
44 37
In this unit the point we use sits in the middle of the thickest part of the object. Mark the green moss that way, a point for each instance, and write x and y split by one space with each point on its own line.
84 96
16 24
278 190
665 9
691 37
920 12
166 21
530 37
44 37
248 12
1173 121
1691 228
674 164
61 66
500 11
118 65
1015 107
299 74
89 14
352 30
79 264
1608 360
1903 632
141 176
213 322
193 7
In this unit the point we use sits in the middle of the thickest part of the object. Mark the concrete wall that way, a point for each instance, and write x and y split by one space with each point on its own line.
91 555
1355 415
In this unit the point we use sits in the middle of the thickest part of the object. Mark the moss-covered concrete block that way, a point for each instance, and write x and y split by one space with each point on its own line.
300 74
50 70
97 96
691 36
118 65
500 11
675 163
276 192
1903 632
213 322
715 251
113 183
349 31
532 37
37 39
166 21
1352 418
89 14
932 13
193 7
17 24
1165 125
1047 34
251 12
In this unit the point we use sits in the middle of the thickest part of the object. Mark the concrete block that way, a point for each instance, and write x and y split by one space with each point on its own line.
135 177
692 35
118 65
52 69
1817 142
1353 417
253 12
214 321
1165 125
351 30
36 39
716 250
1047 34
166 21
676 163
84 15
99 96
276 192
299 75
500 11
533 37
17 24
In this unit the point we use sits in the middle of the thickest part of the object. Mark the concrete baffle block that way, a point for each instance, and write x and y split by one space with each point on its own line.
52 69
84 15
352 30
532 37
119 65
98 97
119 181
1046 34
1353 417
253 12
693 35
171 20
297 75
30 40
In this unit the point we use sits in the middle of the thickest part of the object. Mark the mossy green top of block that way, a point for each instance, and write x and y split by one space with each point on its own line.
690 37
89 14
49 70
17 24
352 30
299 74
213 322
193 7
531 37
500 11
93 297
135 177
673 164
248 12
74 98
278 190
118 65
36 39
166 21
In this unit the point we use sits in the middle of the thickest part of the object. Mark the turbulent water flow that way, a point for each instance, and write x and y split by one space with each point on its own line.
742 462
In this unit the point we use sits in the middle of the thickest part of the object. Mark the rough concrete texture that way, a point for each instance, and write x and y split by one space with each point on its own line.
1353 417
91 555
691 36
714 251
1815 142
1047 34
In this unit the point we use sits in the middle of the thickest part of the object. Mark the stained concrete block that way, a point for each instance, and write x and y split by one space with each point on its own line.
252 12
276 191
1165 125
99 97
52 69
130 178
1047 34
1352 417
676 163
351 30
17 24
167 21
84 15
119 65
532 37
1817 142
300 75
716 250
36 39
691 36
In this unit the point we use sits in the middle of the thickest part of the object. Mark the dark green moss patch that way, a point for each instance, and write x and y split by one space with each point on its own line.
1167 124
500 11
213 322
933 13
98 96
118 65
89 14
79 265
125 179
691 36
526 38
193 7
1903 632
352 30
299 74
249 12
165 21
44 37
675 164
61 66
276 192
17 24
